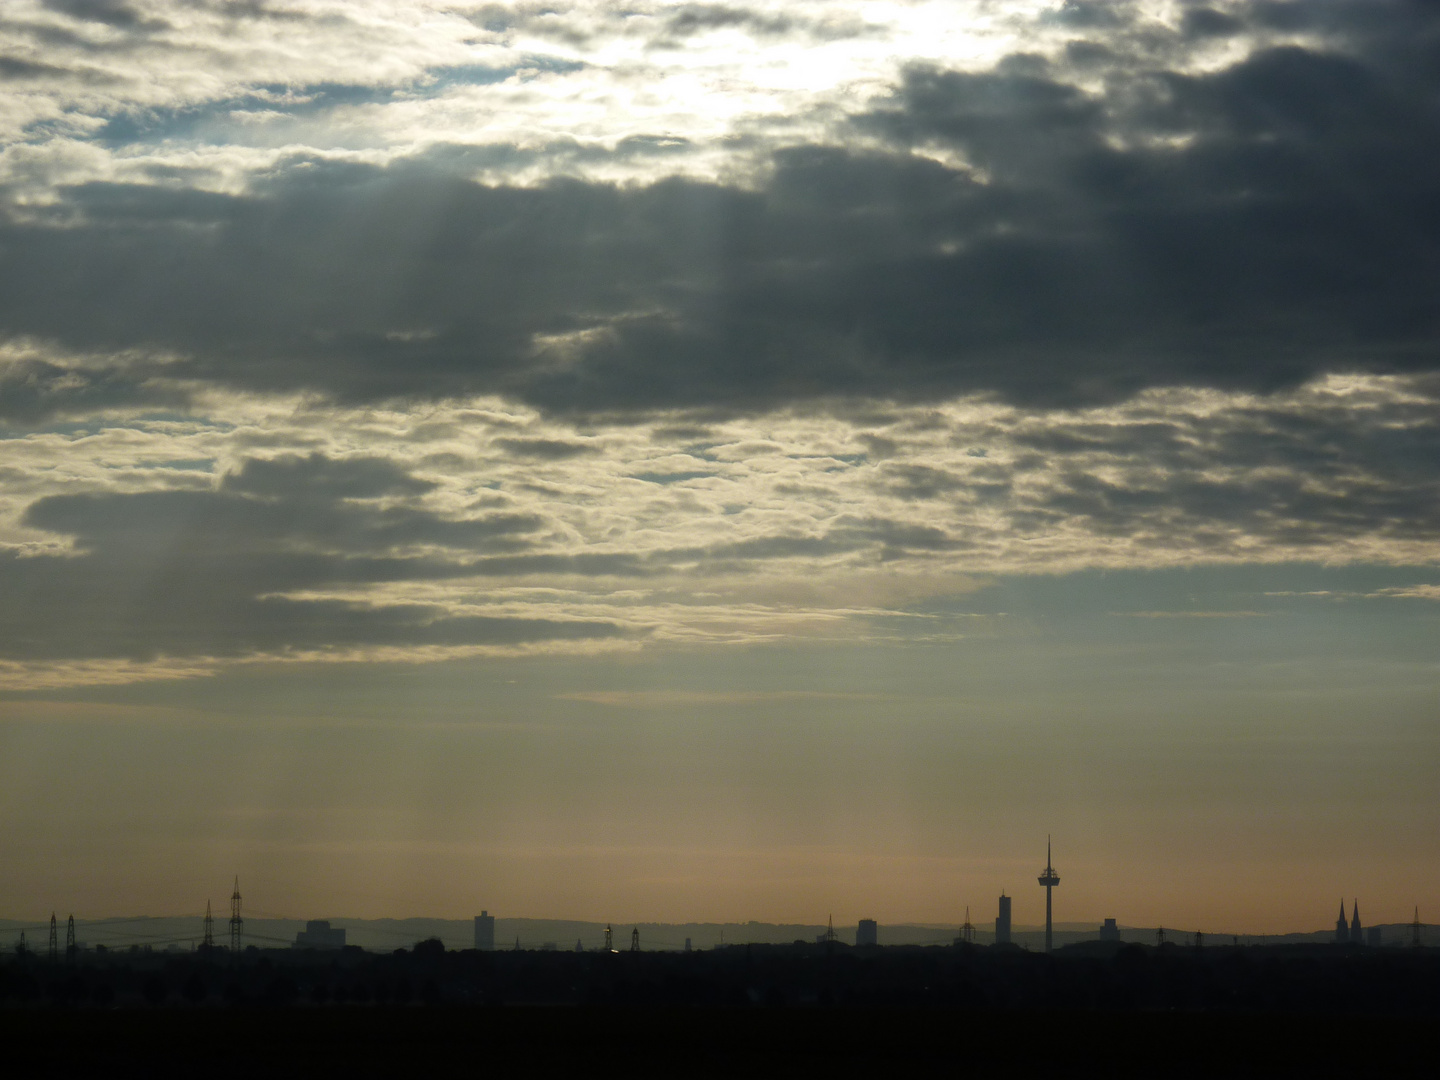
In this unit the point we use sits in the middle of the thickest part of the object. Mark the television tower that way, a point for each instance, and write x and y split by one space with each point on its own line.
237 924
1049 879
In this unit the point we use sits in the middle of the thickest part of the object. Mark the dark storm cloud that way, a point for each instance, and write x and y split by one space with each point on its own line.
194 573
688 20
14 68
316 474
221 521
545 449
1248 227
33 389
1206 22
698 18
114 13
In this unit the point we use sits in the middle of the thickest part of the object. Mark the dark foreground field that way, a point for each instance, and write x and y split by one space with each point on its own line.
759 1011
391 1041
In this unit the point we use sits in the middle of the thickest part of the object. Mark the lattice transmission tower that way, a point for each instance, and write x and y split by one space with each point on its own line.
237 924
967 932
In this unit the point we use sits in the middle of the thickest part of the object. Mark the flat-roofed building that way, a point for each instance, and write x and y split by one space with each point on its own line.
318 934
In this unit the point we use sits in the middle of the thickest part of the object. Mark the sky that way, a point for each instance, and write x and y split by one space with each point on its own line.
721 461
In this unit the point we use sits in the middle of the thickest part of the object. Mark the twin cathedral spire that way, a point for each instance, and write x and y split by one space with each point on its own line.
1350 932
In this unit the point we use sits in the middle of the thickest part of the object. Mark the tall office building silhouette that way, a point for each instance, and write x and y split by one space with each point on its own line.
484 931
1002 921
1049 879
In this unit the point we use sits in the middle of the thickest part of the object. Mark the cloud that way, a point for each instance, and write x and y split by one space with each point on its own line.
1412 592
1251 226
200 573
147 542
317 475
545 449
114 13
543 325
35 388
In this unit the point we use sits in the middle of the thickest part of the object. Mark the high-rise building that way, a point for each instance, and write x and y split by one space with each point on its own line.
1110 931
1002 921
867 933
485 932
